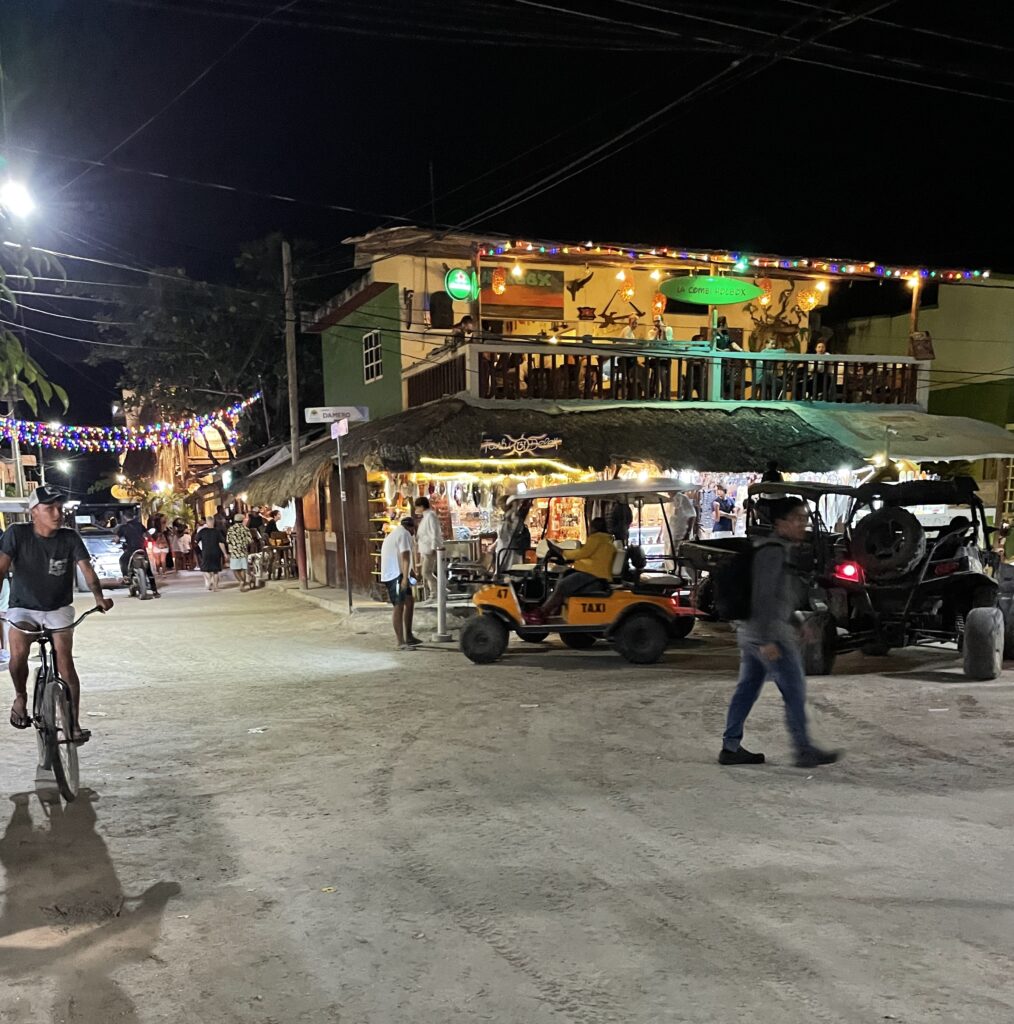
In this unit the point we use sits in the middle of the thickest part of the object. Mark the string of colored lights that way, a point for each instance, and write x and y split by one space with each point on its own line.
738 262
70 438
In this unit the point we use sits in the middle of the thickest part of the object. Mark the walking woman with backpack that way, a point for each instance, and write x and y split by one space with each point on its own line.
767 640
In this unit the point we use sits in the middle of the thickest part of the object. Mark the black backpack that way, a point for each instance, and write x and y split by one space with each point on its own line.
733 585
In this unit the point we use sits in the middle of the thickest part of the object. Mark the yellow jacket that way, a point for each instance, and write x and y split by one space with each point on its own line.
595 556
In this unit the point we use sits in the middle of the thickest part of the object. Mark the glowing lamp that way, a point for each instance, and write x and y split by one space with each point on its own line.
498 282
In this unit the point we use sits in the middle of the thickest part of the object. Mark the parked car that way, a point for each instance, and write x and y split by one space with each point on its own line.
105 549
880 578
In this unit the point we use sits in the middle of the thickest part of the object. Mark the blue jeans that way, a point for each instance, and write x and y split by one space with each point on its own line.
787 672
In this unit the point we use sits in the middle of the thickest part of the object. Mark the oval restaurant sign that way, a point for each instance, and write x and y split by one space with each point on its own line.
710 291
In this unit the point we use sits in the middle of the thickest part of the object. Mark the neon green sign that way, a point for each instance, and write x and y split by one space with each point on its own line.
710 291
461 284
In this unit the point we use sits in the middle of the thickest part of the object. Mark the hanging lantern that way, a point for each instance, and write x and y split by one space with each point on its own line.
808 299
499 281
626 288
658 304
767 284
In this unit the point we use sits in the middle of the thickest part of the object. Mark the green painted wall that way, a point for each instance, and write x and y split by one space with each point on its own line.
992 401
342 357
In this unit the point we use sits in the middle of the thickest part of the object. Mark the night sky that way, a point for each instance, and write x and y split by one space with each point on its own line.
350 106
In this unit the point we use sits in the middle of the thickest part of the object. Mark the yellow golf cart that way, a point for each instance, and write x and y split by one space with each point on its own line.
645 606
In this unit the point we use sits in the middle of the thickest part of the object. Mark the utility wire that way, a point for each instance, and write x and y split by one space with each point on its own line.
183 92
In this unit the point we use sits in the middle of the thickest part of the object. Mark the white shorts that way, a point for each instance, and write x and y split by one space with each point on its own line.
61 618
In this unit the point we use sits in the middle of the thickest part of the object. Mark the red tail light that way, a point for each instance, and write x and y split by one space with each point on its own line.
850 572
946 568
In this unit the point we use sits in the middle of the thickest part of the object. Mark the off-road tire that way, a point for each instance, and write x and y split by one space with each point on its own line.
641 638
579 641
484 639
983 643
818 643
888 543
681 627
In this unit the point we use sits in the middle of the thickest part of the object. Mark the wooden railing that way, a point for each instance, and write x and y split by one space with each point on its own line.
623 371
437 379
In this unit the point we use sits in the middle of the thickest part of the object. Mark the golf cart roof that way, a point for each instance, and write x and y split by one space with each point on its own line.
658 488
960 490
801 488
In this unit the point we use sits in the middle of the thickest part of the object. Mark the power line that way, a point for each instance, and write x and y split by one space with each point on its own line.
85 341
179 95
403 29
217 185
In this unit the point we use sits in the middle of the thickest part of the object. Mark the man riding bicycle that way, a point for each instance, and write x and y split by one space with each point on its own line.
44 555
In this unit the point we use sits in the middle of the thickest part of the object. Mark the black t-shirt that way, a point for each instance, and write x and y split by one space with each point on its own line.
133 534
43 566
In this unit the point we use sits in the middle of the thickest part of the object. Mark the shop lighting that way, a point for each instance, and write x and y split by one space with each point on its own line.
821 286
912 282
621 275
495 464
516 271
656 275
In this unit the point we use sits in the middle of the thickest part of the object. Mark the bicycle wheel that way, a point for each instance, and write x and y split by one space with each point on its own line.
38 719
59 729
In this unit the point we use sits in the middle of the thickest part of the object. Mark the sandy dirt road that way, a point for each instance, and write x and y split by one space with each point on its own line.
412 838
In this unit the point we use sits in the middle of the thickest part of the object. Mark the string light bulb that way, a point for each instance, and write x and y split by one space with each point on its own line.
516 271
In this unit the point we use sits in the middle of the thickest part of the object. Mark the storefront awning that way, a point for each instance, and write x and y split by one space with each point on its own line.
277 485
916 436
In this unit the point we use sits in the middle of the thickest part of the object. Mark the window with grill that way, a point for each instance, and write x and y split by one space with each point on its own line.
373 357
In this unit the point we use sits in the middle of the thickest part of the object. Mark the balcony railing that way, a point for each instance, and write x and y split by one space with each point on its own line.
511 370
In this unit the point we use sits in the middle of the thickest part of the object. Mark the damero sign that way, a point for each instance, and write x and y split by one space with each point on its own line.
507 446
705 290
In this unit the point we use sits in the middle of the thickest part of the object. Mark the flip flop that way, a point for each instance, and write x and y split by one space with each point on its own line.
20 720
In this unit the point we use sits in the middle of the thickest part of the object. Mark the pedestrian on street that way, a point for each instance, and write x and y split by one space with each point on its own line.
768 644
396 575
723 513
429 537
238 541
211 552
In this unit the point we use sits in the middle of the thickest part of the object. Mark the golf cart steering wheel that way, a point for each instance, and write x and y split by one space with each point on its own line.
554 554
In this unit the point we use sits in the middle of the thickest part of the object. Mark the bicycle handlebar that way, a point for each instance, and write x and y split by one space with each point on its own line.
58 629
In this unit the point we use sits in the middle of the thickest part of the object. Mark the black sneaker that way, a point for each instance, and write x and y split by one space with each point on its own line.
814 757
413 641
741 756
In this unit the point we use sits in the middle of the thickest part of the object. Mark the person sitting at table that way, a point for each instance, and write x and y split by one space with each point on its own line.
821 385
661 332
593 564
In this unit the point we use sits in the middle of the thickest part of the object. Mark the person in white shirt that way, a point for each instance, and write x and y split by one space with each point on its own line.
429 537
630 331
396 575
682 518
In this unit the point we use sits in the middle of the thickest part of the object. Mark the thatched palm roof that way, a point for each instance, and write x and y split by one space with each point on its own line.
596 435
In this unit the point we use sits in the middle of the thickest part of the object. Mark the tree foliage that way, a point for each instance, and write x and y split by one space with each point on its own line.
21 377
190 346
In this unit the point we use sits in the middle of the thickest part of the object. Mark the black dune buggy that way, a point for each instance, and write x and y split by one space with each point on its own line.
877 578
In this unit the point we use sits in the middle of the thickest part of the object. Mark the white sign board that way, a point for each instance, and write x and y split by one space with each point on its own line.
333 413
339 428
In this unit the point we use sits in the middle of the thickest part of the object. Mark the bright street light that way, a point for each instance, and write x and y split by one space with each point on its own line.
63 465
16 199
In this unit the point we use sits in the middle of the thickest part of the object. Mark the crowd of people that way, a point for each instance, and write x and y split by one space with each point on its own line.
221 542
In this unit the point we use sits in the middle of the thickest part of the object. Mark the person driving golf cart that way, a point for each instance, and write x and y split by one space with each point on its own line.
593 565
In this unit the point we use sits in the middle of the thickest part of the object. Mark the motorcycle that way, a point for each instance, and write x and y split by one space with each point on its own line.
138 576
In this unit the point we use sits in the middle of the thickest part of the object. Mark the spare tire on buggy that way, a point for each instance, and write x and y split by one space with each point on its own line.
888 543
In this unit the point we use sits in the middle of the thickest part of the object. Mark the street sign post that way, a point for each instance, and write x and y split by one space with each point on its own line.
339 416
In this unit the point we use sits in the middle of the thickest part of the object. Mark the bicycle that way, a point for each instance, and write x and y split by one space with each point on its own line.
53 712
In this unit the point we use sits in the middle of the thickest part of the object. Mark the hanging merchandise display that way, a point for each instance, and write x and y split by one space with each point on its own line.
124 439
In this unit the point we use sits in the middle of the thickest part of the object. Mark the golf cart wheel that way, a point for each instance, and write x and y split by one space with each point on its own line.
888 543
641 639
876 650
705 598
484 639
579 641
983 643
681 627
818 639
535 637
